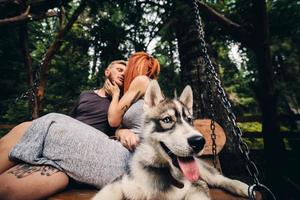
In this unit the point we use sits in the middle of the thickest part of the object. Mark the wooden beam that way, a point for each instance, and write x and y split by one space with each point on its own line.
235 29
22 17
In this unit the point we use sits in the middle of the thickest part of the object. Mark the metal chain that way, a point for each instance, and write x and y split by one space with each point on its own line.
212 127
242 146
213 139
211 109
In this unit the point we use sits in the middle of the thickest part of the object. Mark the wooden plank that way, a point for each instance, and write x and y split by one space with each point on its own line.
87 194
75 194
203 126
7 126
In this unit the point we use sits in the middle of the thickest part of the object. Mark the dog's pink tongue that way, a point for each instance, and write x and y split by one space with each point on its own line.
189 169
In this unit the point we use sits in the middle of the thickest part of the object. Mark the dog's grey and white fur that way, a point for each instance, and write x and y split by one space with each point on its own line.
164 166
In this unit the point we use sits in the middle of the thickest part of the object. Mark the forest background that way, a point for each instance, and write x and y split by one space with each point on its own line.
243 37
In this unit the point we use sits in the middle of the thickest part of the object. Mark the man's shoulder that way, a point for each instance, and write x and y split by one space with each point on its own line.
87 92
92 94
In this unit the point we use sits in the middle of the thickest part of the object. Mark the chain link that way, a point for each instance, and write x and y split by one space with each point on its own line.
216 83
213 137
210 97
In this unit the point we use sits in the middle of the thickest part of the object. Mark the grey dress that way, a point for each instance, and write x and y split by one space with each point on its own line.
81 151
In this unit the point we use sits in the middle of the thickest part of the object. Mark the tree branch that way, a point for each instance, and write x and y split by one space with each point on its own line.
233 28
53 49
44 15
62 17
22 17
151 3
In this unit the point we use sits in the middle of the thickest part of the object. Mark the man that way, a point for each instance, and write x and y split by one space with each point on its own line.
92 106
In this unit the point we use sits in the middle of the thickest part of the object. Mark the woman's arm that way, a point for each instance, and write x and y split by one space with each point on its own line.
127 138
118 107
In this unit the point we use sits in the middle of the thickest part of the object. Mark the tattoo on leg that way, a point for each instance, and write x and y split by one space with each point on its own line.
23 170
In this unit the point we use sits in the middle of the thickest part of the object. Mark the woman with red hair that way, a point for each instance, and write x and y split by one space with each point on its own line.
141 68
38 158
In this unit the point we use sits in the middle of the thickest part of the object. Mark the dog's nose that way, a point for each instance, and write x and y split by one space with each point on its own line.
196 142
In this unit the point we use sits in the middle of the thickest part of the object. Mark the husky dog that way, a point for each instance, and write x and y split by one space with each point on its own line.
164 165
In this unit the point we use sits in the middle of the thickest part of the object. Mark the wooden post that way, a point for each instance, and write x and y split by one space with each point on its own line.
267 95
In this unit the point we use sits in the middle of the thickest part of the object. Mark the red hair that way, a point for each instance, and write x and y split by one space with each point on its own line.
140 63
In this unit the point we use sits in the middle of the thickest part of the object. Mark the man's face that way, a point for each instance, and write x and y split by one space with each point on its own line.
116 74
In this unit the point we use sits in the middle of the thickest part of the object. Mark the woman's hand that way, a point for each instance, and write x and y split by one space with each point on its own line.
118 106
111 89
128 138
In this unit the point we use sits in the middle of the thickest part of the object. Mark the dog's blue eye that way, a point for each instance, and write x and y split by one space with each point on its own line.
167 119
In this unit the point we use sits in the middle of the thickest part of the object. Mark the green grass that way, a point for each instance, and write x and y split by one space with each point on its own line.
257 143
250 126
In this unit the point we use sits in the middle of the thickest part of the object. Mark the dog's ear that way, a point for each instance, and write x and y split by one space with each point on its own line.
186 98
153 94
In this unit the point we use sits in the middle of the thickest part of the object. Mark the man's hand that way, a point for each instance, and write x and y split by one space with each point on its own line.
111 89
128 138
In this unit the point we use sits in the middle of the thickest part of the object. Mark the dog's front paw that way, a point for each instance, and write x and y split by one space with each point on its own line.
112 192
241 188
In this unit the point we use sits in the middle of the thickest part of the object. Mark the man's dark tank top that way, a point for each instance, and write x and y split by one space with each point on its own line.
92 109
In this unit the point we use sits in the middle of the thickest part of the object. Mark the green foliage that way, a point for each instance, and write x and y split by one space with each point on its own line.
257 143
250 126
240 83
3 132
254 143
12 76
169 76
110 30
17 110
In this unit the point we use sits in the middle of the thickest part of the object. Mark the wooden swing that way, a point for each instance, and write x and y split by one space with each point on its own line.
203 125
215 138
213 133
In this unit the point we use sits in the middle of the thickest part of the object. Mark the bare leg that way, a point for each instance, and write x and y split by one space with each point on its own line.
7 142
25 182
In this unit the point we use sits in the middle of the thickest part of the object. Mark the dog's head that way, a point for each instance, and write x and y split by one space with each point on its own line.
168 127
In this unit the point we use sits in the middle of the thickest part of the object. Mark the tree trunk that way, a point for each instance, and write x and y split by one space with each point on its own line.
267 95
32 100
53 49
193 68
20 18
